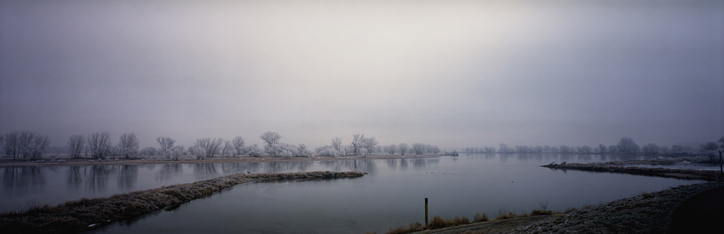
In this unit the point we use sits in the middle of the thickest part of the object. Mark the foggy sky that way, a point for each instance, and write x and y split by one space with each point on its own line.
449 73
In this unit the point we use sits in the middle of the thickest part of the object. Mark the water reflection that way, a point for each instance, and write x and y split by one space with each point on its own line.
74 178
391 163
97 177
418 163
203 169
127 176
505 157
21 177
331 165
169 171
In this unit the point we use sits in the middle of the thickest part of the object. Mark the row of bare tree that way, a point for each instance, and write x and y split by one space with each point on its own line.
362 145
99 145
626 145
30 145
24 144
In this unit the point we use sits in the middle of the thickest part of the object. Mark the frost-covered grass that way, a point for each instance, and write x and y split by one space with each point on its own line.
618 167
438 223
74 216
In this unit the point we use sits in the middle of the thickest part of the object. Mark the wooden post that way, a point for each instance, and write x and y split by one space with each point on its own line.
425 211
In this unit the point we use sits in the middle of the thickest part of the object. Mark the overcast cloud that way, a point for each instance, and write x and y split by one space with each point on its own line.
449 73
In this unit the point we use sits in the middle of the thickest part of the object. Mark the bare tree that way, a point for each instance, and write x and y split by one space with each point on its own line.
564 149
149 151
434 149
709 146
175 153
166 143
10 144
337 143
208 145
650 149
391 149
238 145
128 145
627 145
357 143
302 151
99 144
369 144
227 149
271 138
418 148
585 149
30 145
24 144
403 148
677 149
75 146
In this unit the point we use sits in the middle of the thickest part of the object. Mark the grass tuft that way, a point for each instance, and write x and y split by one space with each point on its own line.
541 212
480 218
646 195
413 227
503 216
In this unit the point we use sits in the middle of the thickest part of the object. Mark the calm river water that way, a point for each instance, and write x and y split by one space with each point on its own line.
391 194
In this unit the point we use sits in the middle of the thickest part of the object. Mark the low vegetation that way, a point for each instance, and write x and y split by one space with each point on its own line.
74 216
438 223
619 167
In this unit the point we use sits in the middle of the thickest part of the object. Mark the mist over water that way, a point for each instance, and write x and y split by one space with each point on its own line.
391 194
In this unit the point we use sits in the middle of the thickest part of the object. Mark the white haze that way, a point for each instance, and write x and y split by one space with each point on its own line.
448 73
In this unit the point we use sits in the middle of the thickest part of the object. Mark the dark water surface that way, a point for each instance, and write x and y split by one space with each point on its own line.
391 194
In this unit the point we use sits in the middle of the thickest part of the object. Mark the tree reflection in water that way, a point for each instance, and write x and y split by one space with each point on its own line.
169 171
74 178
21 177
391 163
204 169
127 176
403 164
97 177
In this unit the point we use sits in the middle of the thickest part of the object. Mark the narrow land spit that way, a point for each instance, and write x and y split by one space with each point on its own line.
83 214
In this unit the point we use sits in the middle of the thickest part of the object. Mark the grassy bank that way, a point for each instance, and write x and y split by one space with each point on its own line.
618 167
75 216
644 213
438 223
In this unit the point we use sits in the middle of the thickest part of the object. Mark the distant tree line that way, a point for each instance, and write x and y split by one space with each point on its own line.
99 145
363 146
626 145
24 144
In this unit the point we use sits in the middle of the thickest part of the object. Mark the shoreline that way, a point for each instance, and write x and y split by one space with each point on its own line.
645 213
619 167
86 214
159 160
